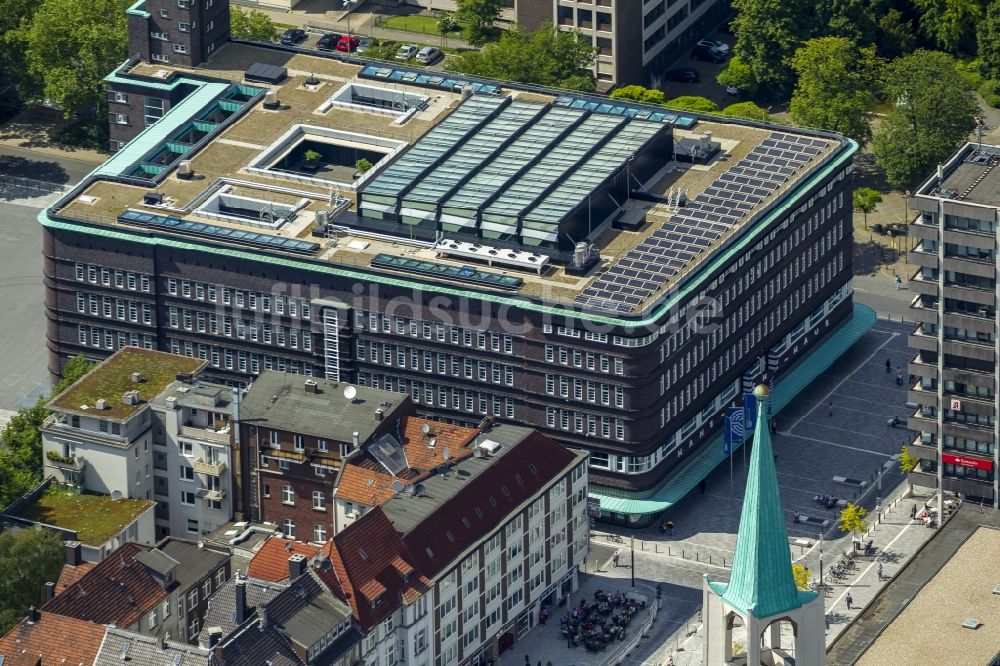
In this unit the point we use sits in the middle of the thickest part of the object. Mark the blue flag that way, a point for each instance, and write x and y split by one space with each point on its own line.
749 414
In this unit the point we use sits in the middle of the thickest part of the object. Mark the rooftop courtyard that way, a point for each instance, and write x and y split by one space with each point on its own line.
579 200
95 518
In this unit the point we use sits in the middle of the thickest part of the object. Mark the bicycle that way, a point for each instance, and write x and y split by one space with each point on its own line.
615 538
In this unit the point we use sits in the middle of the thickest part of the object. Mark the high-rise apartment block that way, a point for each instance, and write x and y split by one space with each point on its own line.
954 373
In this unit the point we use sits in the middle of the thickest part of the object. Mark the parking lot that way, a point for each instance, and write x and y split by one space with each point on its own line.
707 71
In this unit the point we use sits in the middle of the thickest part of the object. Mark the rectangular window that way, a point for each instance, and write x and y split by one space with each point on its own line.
152 110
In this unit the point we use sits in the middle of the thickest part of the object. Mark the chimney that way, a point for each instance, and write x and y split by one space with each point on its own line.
311 386
136 377
240 597
355 439
379 413
34 615
72 549
940 174
262 617
214 636
48 591
296 566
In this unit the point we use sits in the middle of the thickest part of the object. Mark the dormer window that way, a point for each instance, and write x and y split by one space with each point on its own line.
406 578
377 600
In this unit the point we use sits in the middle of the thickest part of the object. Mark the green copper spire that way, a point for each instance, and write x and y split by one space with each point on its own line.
762 582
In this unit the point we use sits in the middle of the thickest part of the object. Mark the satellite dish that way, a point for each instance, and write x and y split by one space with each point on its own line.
350 392
426 429
397 486
446 455
116 495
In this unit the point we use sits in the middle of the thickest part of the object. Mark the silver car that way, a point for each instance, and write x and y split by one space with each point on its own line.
428 55
406 52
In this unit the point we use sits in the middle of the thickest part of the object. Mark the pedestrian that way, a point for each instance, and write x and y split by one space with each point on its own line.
888 366
899 282
899 376
850 601
880 571
913 512
663 528
829 408
614 558
796 519
670 527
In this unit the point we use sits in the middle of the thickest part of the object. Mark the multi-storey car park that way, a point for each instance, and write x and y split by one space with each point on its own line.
954 373
613 275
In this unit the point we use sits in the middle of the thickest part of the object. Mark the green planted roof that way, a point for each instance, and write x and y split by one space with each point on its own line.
762 582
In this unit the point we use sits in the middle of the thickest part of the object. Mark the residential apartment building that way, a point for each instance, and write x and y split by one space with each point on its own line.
468 286
141 425
956 304
452 573
155 591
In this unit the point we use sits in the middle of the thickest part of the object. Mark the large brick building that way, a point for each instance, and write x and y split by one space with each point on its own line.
615 276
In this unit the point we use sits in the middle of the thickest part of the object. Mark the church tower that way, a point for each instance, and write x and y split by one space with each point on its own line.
761 591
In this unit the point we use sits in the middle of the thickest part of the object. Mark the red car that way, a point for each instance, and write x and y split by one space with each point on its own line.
348 43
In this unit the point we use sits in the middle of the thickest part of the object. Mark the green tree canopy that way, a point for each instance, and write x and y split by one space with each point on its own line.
988 37
852 519
895 34
951 24
835 80
545 56
767 34
638 94
747 110
14 14
72 370
801 576
737 74
28 559
693 103
253 25
479 15
69 47
865 200
853 19
933 111
907 461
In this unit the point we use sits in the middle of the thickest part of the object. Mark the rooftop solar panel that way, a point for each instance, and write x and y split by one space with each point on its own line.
173 223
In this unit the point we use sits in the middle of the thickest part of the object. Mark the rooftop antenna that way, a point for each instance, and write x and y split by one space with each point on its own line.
446 455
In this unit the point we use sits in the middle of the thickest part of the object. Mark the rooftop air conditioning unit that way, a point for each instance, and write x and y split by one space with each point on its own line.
101 403
489 447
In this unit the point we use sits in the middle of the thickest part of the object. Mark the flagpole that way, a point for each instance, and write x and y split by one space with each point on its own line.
727 435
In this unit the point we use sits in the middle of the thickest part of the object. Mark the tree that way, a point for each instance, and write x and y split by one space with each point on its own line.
951 24
907 461
852 519
801 576
254 25
480 15
28 559
865 200
988 38
933 111
737 74
13 14
853 19
73 369
747 110
545 56
693 103
638 94
69 46
895 35
767 34
834 87
363 165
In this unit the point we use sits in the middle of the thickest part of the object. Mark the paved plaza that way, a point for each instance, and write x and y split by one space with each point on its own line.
837 427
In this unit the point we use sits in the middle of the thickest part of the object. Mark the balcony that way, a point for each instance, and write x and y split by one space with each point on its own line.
212 469
206 434
72 463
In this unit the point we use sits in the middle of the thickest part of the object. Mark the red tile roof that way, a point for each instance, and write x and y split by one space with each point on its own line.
271 561
70 574
118 590
367 482
53 640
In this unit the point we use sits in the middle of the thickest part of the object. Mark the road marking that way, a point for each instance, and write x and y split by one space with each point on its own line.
873 564
842 446
855 433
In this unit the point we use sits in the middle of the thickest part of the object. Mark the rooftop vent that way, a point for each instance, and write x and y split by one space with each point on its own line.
184 170
101 403
136 377
131 398
271 100
379 413
311 386
489 447
152 199
971 623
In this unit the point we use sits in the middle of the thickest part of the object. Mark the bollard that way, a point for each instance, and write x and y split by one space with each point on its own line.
642 545
710 558
669 551
697 556
682 554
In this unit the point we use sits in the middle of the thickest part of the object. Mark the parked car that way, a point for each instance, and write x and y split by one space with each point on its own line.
683 75
429 55
365 43
329 41
406 52
293 36
347 43
721 47
707 53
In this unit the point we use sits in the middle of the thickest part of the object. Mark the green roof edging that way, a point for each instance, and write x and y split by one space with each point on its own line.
137 10
683 480
692 282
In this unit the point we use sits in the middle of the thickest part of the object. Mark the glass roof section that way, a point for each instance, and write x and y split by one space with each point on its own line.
435 144
532 143
554 164
474 152
463 273
592 173
173 223
618 108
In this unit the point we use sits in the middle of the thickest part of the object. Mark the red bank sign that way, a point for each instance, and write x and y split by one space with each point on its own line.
966 461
